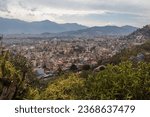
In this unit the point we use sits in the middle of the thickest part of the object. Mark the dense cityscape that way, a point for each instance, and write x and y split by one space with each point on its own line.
49 56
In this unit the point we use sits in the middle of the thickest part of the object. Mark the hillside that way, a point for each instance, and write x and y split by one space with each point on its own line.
15 26
140 34
135 54
101 31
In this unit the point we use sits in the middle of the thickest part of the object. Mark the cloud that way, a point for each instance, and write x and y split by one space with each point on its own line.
87 5
3 6
88 12
108 18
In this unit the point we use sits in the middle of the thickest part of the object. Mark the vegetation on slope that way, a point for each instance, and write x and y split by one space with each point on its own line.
124 79
127 53
15 76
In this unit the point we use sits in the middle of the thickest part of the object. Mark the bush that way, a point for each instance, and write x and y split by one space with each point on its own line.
66 87
15 76
117 82
123 81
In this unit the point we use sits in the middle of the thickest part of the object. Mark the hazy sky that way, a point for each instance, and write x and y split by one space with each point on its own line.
86 12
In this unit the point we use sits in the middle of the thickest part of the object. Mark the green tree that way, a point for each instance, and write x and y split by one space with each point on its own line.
15 76
66 87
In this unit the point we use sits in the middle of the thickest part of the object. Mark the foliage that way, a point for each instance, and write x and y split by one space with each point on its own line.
15 75
124 81
32 93
66 87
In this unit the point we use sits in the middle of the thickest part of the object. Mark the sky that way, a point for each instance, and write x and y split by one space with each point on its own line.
85 12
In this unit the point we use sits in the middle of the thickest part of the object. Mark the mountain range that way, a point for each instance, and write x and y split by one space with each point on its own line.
101 31
49 28
15 26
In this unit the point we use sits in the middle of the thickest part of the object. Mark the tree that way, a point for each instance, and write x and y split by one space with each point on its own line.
68 86
9 77
15 76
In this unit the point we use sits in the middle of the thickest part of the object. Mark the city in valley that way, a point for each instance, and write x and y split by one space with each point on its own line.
50 55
